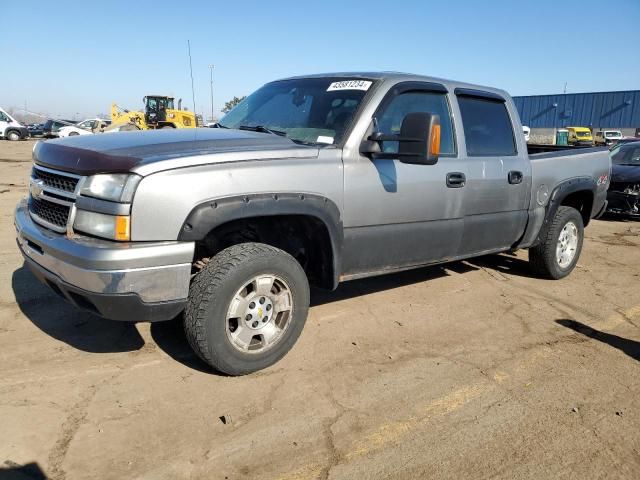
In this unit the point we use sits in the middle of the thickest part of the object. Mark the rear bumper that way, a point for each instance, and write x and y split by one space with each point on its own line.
131 282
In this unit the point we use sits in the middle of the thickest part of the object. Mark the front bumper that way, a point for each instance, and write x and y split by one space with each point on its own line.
623 203
146 281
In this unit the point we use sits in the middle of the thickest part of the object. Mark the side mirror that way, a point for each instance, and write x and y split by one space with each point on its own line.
418 142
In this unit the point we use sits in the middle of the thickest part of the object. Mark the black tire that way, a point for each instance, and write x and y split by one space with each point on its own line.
13 135
542 257
210 294
73 134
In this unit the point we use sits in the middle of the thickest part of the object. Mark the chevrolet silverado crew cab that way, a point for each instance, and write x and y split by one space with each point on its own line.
310 180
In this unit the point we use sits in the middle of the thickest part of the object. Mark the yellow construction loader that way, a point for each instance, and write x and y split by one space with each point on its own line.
159 112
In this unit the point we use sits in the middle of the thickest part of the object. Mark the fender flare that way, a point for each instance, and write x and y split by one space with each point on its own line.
208 215
559 193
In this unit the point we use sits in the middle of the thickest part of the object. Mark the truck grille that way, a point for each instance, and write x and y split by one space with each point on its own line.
50 212
55 180
51 197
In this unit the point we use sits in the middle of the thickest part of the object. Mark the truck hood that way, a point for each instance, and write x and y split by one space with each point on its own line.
155 150
625 173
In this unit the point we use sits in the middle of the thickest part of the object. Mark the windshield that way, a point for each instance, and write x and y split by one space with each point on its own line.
307 110
626 155
583 134
612 134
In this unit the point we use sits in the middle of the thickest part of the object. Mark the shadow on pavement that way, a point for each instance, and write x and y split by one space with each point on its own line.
355 288
13 471
171 339
630 347
64 322
504 263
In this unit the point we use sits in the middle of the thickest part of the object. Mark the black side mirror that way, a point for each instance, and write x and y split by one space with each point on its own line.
419 140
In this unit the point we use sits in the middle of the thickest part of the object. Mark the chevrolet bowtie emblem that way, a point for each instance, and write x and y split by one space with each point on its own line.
260 312
36 189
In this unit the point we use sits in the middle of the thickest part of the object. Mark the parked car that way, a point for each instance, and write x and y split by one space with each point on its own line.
580 136
526 132
624 191
607 137
51 127
624 140
310 180
86 127
35 129
10 128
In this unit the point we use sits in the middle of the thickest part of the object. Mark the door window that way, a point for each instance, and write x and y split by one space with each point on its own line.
487 127
390 120
3 117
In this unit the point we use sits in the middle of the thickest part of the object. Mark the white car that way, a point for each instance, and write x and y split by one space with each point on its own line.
86 127
526 132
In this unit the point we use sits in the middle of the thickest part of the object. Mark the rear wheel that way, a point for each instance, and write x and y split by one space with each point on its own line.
558 252
246 308
73 134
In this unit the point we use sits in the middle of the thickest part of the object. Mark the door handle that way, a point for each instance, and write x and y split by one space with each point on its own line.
515 177
456 180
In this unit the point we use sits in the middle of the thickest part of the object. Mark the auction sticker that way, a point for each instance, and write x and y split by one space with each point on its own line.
350 85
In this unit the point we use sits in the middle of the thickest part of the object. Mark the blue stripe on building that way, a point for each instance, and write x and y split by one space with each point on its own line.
595 110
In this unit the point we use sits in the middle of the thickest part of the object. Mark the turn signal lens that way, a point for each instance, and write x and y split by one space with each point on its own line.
434 148
113 227
122 228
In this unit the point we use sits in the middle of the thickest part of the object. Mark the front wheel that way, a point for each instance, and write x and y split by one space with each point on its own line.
246 308
558 252
13 136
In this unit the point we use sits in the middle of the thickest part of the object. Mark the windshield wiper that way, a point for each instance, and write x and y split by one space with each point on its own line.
304 142
262 129
218 125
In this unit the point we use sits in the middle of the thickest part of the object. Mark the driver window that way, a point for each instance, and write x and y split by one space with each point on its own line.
3 117
390 121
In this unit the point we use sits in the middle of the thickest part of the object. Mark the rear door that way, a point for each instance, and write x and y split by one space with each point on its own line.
498 173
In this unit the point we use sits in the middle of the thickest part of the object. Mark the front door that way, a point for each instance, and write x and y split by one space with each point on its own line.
396 214
4 123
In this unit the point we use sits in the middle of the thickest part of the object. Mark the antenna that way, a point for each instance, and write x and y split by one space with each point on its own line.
193 92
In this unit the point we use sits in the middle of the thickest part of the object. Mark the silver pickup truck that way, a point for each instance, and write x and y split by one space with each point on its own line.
310 180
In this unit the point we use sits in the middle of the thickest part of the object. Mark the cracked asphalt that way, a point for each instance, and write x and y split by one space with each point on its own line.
468 370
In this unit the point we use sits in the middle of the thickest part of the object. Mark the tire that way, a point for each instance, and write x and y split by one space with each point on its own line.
224 319
73 134
557 254
13 135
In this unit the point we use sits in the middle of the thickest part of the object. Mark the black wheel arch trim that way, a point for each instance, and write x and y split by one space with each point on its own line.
208 215
559 193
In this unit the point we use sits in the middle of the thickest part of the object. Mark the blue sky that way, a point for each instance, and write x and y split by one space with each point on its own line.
74 58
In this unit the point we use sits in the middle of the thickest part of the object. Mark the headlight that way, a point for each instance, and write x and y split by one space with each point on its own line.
113 227
116 187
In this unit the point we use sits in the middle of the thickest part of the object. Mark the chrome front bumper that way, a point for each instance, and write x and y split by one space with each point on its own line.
154 273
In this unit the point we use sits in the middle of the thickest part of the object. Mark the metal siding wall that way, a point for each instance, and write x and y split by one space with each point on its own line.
596 110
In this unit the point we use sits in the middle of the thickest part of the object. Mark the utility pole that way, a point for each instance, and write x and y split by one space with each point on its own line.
211 70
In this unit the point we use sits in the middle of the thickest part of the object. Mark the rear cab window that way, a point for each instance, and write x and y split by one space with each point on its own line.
487 125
